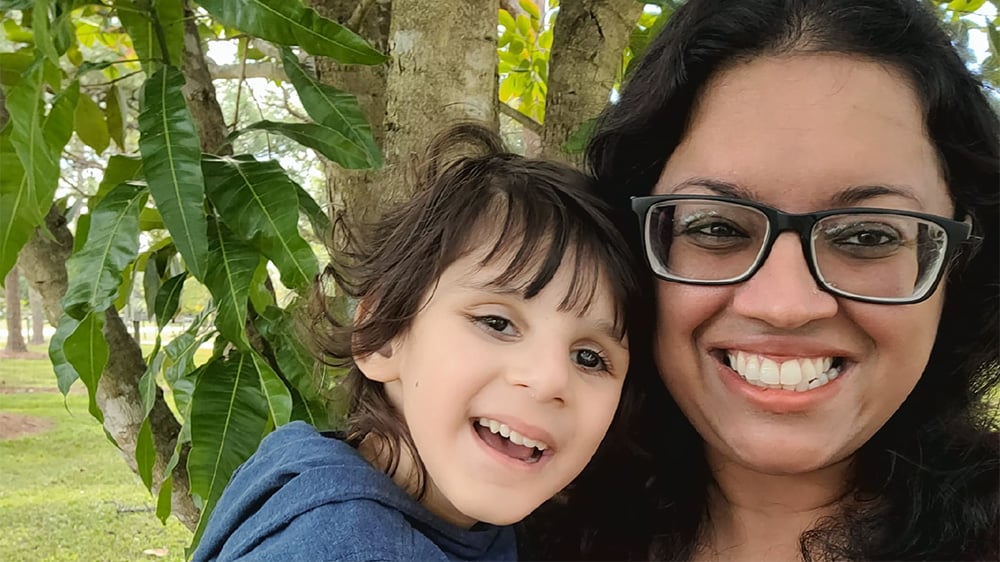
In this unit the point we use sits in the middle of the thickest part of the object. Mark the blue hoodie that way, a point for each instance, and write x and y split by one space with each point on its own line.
305 496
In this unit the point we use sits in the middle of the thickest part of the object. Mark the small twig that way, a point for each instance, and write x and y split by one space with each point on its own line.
291 110
239 85
522 119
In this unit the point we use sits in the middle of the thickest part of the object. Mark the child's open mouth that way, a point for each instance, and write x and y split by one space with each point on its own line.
509 442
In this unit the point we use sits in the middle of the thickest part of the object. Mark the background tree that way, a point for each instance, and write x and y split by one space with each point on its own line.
12 299
126 169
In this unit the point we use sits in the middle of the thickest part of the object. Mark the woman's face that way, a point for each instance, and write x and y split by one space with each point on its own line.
799 133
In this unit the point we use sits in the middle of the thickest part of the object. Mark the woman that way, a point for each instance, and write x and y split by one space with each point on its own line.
828 365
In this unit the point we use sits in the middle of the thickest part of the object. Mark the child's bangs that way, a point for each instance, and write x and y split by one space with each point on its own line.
535 237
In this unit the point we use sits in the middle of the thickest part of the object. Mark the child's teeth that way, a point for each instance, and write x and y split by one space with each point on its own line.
515 437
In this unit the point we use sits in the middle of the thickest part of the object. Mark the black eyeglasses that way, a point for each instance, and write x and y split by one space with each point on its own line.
871 255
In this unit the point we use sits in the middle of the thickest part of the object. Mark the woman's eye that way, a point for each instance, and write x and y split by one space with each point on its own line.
869 238
590 359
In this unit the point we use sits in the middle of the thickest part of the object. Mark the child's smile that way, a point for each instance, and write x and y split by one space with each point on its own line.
507 441
506 398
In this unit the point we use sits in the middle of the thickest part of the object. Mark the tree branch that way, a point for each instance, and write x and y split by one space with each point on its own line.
267 69
522 119
354 23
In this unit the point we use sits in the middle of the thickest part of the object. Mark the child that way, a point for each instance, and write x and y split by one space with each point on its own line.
487 359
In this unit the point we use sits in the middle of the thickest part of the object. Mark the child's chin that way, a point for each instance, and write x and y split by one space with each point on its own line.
503 516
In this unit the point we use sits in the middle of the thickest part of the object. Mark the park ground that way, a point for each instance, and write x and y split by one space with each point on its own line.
65 491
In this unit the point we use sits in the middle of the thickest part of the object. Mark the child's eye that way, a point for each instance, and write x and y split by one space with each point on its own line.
590 360
496 324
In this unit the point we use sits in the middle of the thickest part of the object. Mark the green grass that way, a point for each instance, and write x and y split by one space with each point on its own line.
67 494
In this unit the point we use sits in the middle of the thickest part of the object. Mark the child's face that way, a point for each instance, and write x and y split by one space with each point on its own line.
479 354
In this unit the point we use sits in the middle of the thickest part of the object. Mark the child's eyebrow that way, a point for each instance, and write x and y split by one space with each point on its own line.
605 327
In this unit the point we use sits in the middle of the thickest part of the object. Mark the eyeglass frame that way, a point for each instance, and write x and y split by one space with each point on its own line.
958 234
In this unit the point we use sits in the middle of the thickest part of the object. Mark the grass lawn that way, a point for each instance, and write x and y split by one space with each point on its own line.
66 493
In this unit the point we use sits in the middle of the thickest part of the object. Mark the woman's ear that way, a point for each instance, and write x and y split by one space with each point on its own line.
381 366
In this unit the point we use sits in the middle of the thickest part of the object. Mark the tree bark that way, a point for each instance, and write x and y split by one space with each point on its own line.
443 69
588 40
37 317
199 92
15 337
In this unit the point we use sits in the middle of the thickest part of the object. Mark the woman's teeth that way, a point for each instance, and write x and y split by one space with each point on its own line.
515 437
800 374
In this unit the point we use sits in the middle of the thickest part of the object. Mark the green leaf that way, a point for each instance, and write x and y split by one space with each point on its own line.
577 141
171 158
140 18
90 124
524 25
124 291
26 105
260 296
965 5
168 299
32 142
16 4
113 242
530 7
147 383
115 115
329 142
279 400
228 279
228 418
66 374
150 219
289 22
120 169
294 360
506 20
87 351
145 454
12 66
257 202
82 231
18 214
318 219
335 110
151 282
40 25
163 498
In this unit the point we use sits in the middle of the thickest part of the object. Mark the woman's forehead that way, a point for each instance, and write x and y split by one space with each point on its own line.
799 129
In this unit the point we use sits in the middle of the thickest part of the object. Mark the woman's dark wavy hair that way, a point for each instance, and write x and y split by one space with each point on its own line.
468 192
926 485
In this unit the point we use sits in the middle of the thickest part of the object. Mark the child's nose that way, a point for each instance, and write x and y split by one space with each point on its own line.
544 375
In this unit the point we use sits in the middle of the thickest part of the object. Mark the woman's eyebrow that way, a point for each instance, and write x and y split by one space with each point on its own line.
860 193
720 187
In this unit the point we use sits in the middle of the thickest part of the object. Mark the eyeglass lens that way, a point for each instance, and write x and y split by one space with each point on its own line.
868 255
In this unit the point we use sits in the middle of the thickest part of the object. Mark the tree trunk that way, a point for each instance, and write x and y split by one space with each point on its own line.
37 317
15 338
588 40
351 188
443 69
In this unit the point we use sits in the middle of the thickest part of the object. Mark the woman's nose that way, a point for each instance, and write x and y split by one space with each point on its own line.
783 292
544 374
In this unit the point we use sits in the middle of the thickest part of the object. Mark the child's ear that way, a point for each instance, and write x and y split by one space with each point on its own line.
381 366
